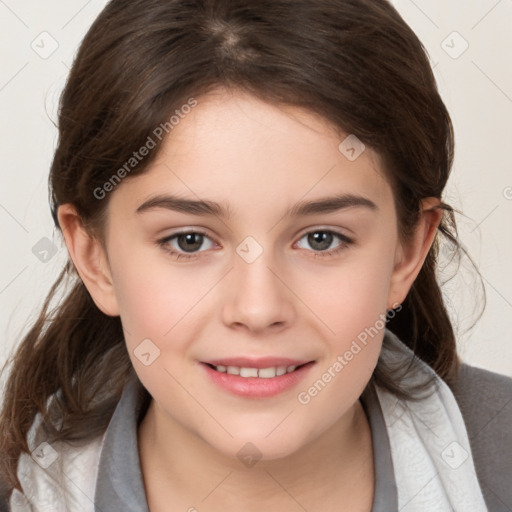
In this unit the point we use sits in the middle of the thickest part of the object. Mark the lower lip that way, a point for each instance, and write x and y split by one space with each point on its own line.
256 387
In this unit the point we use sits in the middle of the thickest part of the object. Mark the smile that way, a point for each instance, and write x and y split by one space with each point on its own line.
261 379
262 373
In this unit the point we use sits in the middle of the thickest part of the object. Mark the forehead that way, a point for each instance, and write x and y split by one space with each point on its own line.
238 150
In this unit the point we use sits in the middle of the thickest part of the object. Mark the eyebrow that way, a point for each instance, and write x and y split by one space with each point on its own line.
302 208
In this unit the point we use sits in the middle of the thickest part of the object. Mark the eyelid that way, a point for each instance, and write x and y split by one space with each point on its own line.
319 227
187 231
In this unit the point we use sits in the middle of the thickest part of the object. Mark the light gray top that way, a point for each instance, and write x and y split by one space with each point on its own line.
119 485
484 398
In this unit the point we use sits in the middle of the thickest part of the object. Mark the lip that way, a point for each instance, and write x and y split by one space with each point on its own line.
255 387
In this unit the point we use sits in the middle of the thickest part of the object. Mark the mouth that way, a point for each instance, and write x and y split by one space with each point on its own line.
261 373
261 378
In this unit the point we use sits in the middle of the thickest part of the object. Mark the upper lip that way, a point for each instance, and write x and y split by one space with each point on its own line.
257 362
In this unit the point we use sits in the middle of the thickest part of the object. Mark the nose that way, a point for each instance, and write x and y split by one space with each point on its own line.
258 298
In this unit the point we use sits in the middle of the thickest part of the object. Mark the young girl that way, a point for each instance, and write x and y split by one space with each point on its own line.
250 194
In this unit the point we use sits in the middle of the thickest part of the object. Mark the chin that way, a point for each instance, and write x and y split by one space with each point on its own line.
252 446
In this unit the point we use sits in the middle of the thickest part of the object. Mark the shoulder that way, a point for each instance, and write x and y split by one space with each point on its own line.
58 476
485 401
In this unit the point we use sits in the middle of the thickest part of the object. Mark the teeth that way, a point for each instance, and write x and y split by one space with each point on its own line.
248 372
267 373
262 373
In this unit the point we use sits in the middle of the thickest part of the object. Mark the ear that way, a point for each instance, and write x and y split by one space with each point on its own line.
411 254
90 259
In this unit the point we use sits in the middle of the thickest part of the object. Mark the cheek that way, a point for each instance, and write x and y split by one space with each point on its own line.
152 294
350 301
349 297
354 312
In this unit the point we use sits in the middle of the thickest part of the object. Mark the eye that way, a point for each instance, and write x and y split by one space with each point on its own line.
185 245
321 239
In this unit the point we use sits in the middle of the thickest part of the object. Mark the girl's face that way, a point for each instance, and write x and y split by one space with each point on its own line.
271 275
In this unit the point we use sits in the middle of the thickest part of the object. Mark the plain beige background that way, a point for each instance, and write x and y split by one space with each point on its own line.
469 45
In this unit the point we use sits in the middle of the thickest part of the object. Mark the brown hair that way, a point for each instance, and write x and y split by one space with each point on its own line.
356 63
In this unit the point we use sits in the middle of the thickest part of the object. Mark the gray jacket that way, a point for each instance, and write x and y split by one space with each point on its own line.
484 398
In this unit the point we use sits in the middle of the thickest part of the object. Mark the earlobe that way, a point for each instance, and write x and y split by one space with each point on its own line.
411 255
89 258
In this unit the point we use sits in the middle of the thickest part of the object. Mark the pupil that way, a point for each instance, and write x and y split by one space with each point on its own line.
190 243
322 238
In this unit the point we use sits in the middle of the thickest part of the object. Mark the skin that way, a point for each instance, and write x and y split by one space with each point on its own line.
255 157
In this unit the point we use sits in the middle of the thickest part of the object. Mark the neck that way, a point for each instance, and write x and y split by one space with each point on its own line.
181 469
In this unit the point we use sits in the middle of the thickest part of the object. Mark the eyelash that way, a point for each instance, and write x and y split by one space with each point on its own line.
345 243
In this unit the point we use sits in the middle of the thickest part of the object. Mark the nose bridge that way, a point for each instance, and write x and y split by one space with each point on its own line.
257 298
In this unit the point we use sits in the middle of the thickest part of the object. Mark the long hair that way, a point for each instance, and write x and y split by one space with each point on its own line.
356 63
